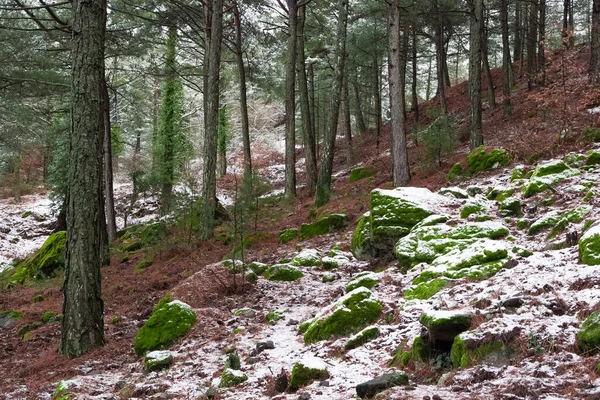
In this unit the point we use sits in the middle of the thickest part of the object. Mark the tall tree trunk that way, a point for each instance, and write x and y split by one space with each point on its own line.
109 198
439 54
428 90
305 111
518 30
377 94
313 106
541 73
476 21
211 121
595 44
83 309
290 102
532 44
358 113
239 56
506 60
414 90
348 122
323 193
486 66
397 54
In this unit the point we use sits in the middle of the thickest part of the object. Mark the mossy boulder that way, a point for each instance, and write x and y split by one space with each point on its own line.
274 316
589 246
500 193
362 337
258 268
50 316
593 158
454 192
445 325
472 207
426 290
153 234
169 321
44 263
591 134
307 258
426 243
455 173
588 337
288 235
334 262
283 272
369 389
158 360
360 173
574 160
510 207
558 220
481 160
470 348
517 173
324 225
308 370
8 318
143 264
131 245
547 175
233 361
234 266
393 214
365 279
349 314
232 377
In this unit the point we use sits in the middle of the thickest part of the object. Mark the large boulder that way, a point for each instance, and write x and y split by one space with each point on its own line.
558 220
44 263
307 370
588 337
485 346
481 160
169 321
547 175
283 272
444 326
369 389
324 225
232 377
589 246
349 314
392 215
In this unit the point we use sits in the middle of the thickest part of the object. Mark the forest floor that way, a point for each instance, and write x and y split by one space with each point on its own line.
546 123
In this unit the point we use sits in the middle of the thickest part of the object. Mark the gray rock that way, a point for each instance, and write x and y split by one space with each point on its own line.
265 345
211 393
304 396
371 388
513 302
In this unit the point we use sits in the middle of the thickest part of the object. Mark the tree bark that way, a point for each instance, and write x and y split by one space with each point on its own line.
323 193
83 309
377 94
595 44
532 44
239 55
541 64
109 198
347 123
415 95
518 30
506 60
439 54
486 65
290 102
305 111
476 21
397 54
358 113
211 121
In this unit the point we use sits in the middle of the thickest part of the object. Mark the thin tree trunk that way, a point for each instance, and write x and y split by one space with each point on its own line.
307 125
290 102
211 120
439 52
476 18
415 94
428 90
506 60
358 113
595 44
83 309
397 54
518 30
323 193
377 93
541 73
313 106
109 198
239 55
486 65
532 44
347 122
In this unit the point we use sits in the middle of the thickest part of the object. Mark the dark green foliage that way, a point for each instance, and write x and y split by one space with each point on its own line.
480 160
303 375
323 226
233 361
288 235
455 173
440 138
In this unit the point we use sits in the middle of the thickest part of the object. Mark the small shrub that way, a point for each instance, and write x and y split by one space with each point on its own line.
440 138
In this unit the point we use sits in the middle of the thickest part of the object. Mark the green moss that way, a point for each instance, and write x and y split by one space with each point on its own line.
523 224
517 173
328 278
558 220
360 173
363 279
258 268
169 321
231 378
426 276
303 375
425 290
362 244
251 277
26 214
334 262
7 318
349 314
444 326
45 263
547 175
420 351
283 272
307 258
274 316
322 226
49 316
38 298
362 337
480 160
234 266
510 207
153 234
588 337
574 159
124 260
288 235
593 158
591 134
131 245
474 190
405 358
233 361
143 264
455 173
464 356
303 327
471 207
28 328
589 195
158 360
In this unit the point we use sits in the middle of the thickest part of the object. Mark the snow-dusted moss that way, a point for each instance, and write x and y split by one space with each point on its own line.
258 268
479 260
575 160
44 263
517 173
334 262
472 207
455 173
427 289
288 235
445 325
364 279
362 337
307 258
232 377
466 352
274 316
158 360
510 207
234 266
324 225
347 315
283 272
593 157
169 321
588 337
558 220
480 160
547 175
454 192
306 371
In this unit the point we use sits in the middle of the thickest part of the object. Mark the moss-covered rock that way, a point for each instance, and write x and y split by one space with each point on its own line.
307 258
44 263
445 325
233 361
472 207
575 160
347 315
427 289
158 360
8 318
589 246
283 272
362 337
131 245
591 134
469 349
306 371
588 337
360 173
274 316
547 175
258 268
232 377
593 158
324 225
288 235
153 234
454 192
334 262
517 173
480 160
369 389
365 279
25 329
558 220
426 243
143 264
455 173
169 321
50 316
328 277
510 207
234 266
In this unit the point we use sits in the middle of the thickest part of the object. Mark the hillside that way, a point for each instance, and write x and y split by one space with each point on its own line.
515 279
